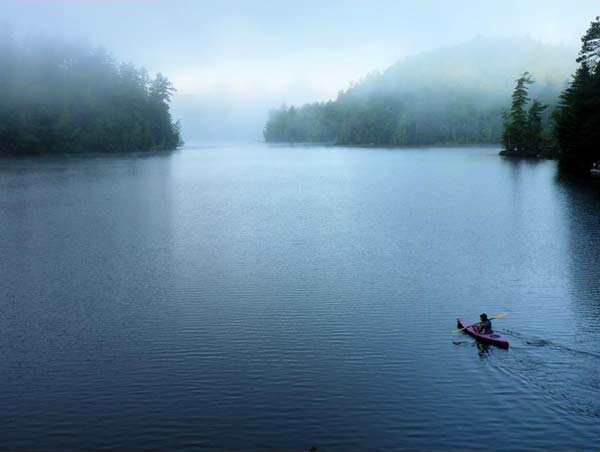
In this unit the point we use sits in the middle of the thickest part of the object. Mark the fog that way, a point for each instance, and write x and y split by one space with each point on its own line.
233 61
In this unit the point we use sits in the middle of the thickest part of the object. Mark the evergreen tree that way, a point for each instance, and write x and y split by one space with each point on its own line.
577 120
590 46
535 139
523 129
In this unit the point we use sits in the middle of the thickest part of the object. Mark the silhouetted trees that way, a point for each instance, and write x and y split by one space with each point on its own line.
577 120
59 97
523 129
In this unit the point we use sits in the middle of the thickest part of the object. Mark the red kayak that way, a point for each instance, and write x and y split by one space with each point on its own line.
489 338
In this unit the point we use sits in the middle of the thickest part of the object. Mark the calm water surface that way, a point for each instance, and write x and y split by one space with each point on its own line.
274 298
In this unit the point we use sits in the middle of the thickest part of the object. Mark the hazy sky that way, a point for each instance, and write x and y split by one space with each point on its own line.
250 55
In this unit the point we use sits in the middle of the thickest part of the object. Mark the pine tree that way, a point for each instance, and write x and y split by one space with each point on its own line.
523 128
567 117
535 139
577 120
590 46
515 136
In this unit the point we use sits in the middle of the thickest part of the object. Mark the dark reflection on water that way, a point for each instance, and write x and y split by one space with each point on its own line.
484 349
260 298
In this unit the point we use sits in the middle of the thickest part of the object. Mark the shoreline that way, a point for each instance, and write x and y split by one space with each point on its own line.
528 155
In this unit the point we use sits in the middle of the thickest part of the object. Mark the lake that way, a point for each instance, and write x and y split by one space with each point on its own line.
254 297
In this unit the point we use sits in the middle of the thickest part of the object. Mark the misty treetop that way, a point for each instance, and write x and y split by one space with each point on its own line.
452 95
63 97
577 119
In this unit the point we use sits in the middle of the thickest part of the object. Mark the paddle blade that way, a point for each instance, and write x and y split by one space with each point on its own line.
459 330
499 316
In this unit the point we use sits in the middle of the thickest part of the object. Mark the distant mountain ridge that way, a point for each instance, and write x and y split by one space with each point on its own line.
450 95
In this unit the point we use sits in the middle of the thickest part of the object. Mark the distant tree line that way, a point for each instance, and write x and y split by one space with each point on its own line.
577 119
420 118
453 95
60 97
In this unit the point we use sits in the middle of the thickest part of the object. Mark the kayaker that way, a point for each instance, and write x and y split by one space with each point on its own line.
485 326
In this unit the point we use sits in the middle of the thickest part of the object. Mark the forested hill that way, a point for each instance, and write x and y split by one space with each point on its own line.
61 97
452 95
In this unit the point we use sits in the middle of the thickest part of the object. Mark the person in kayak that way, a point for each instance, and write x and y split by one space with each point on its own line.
485 326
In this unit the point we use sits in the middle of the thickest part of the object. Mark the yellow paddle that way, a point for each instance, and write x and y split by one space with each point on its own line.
497 316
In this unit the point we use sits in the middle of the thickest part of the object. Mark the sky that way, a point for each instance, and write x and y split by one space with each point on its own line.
233 60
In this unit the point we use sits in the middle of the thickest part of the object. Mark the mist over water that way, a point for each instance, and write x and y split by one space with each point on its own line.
254 297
